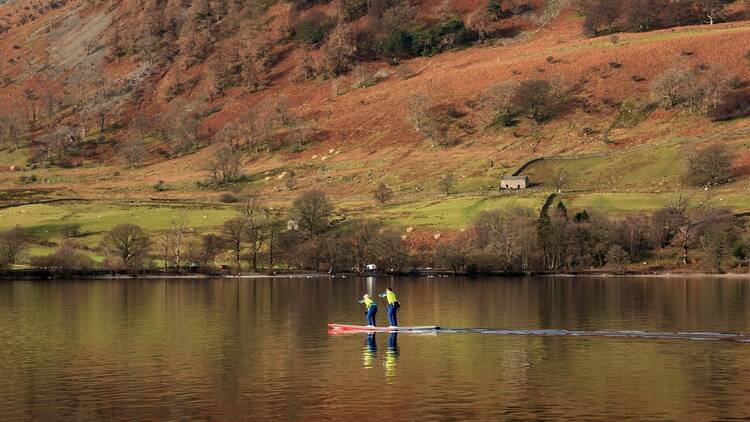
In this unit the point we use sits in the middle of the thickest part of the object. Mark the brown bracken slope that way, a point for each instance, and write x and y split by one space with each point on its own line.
362 136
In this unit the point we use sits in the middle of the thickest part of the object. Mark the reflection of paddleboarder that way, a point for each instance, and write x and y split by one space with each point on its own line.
391 355
368 353
393 306
371 309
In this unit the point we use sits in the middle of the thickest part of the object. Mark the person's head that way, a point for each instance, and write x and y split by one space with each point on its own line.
366 296
389 289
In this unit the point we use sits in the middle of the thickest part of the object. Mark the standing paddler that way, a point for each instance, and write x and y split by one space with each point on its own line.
371 308
393 305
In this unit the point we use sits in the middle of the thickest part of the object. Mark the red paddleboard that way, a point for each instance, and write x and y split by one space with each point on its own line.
343 328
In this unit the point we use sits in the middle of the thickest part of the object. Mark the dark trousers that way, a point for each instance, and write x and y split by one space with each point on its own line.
392 310
371 311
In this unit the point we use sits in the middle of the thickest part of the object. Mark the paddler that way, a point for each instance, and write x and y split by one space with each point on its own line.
371 308
393 306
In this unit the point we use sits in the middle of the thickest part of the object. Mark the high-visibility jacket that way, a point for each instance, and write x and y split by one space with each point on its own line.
389 296
368 302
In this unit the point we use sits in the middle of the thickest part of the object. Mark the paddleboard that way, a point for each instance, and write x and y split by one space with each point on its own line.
352 328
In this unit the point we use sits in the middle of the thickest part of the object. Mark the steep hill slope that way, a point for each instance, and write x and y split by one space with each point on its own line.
343 138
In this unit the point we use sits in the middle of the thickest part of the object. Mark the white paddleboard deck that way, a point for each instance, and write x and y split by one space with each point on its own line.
370 328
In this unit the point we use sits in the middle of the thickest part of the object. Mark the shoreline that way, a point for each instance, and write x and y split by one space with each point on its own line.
18 275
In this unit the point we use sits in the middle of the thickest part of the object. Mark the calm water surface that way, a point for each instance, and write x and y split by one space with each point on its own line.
258 349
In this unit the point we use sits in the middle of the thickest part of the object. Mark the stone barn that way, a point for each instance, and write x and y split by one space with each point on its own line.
514 182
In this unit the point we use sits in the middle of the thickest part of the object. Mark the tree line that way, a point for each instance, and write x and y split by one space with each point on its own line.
499 241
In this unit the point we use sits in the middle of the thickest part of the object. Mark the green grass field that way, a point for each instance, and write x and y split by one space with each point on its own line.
45 221
620 204
657 168
452 212
16 157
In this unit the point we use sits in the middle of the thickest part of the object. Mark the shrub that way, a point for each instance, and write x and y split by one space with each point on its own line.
350 10
405 72
306 4
442 37
364 76
313 29
397 44
733 105
71 230
160 186
28 179
383 193
229 198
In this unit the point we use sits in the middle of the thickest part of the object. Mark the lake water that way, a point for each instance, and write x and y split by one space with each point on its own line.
258 349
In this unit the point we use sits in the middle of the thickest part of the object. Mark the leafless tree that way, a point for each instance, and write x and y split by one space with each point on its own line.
418 107
446 182
11 127
497 106
561 179
134 153
383 193
340 49
224 166
312 210
176 241
128 244
13 243
456 252
257 217
710 166
233 232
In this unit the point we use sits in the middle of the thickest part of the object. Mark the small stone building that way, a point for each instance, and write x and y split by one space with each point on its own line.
514 182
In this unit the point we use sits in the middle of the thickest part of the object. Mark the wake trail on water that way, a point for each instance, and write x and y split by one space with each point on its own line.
342 329
700 336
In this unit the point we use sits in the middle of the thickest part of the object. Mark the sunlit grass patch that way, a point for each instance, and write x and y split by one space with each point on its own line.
453 212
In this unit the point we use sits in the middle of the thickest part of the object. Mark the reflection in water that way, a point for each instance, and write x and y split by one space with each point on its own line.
258 349
371 286
369 351
391 356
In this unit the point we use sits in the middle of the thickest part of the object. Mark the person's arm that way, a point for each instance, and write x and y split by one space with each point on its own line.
384 294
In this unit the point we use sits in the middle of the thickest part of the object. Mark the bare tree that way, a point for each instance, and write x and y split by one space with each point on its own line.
176 241
561 179
496 105
539 99
233 231
11 127
361 242
446 182
711 166
383 193
127 243
418 107
257 218
312 210
224 166
13 243
211 246
456 252
340 50
134 153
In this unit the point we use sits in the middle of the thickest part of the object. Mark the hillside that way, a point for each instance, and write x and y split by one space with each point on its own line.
165 119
